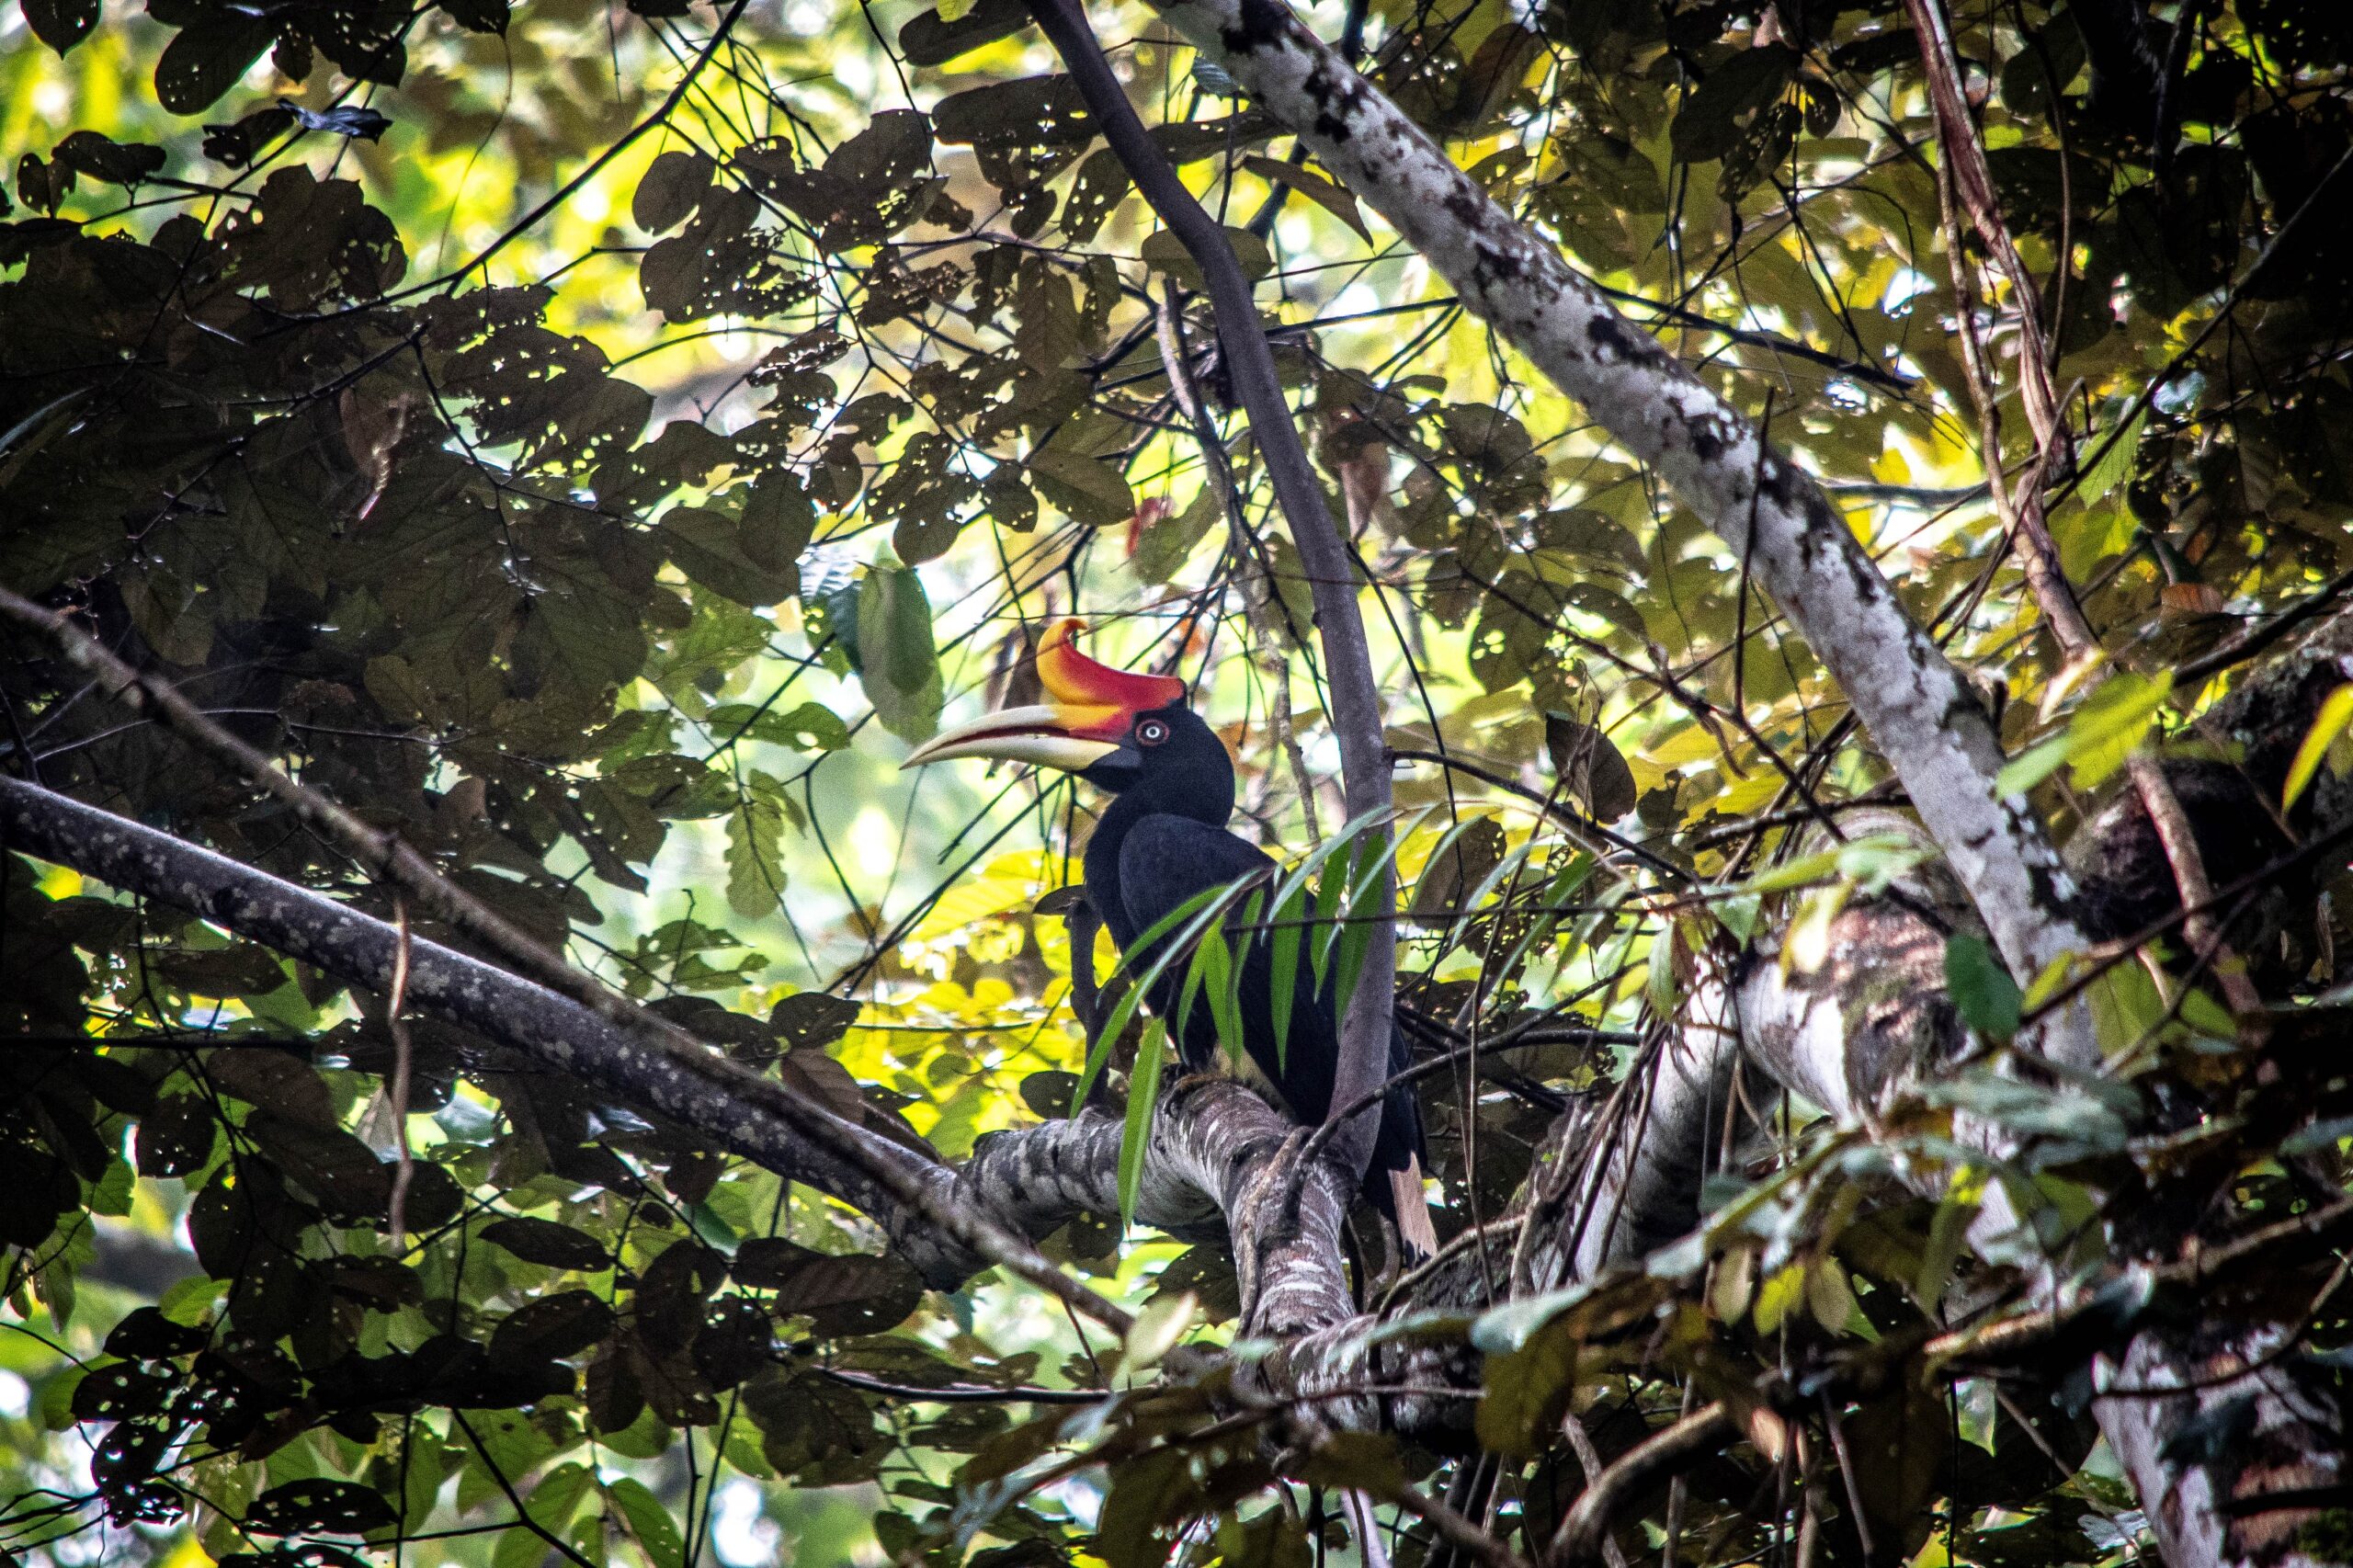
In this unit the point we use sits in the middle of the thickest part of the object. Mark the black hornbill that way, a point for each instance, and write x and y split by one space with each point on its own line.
1163 841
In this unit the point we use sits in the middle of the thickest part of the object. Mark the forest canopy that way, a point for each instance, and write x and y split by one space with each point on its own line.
1775 578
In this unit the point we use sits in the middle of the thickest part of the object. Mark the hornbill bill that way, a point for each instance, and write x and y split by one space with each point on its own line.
1163 841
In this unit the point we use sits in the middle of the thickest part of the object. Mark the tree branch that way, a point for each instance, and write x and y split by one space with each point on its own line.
735 1107
1355 696
1920 714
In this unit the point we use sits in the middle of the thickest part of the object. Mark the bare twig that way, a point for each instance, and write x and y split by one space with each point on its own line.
2197 890
1664 1452
1965 182
396 1093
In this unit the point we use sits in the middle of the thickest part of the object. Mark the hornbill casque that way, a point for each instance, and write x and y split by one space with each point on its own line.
1163 841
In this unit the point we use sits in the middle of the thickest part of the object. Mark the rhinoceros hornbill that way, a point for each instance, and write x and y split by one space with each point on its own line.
1161 842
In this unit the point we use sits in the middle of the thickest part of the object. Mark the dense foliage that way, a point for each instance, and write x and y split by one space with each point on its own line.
591 443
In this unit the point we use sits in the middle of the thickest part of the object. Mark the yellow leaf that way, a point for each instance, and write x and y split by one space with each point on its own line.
1783 1290
1157 1329
2335 712
1828 1296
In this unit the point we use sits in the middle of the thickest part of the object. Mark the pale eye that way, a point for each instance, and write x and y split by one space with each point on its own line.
1152 731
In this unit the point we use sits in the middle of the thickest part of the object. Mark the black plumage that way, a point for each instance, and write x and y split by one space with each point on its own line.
1162 841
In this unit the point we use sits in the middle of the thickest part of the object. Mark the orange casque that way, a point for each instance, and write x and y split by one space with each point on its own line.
1110 698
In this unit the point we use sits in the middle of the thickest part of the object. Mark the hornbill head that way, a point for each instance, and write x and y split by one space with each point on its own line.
1111 727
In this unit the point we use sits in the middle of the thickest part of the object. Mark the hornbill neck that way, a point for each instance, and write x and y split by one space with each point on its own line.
1189 777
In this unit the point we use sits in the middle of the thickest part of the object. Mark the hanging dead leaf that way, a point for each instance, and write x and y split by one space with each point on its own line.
1589 767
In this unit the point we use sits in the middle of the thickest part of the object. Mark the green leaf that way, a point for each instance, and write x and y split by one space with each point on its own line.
1135 1135
1218 967
898 663
1981 990
1288 935
716 551
756 850
1161 547
1089 489
2099 736
551 1505
2114 463
1165 1320
2126 1008
1658 980
648 1520
1355 937
1202 908
810 727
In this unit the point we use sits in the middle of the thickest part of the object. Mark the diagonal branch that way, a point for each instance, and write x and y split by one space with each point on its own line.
1922 716
1218 1155
735 1107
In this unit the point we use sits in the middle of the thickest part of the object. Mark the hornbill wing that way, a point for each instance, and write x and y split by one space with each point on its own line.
1167 860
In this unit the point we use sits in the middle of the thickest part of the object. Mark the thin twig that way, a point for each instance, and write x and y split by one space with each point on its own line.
396 1094
1665 1451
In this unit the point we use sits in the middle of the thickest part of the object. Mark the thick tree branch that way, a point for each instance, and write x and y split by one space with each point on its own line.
735 1107
1921 715
1219 1158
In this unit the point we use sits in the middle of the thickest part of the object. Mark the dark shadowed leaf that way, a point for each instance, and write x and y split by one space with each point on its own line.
552 1328
177 1137
117 163
840 1295
61 24
811 1019
672 186
548 1242
1709 124
929 39
206 59
736 1341
1049 1093
671 1293
1590 766
146 1335
278 1081
1988 999
478 16
328 1507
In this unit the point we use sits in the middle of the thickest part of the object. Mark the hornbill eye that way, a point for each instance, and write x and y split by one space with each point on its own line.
1152 731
